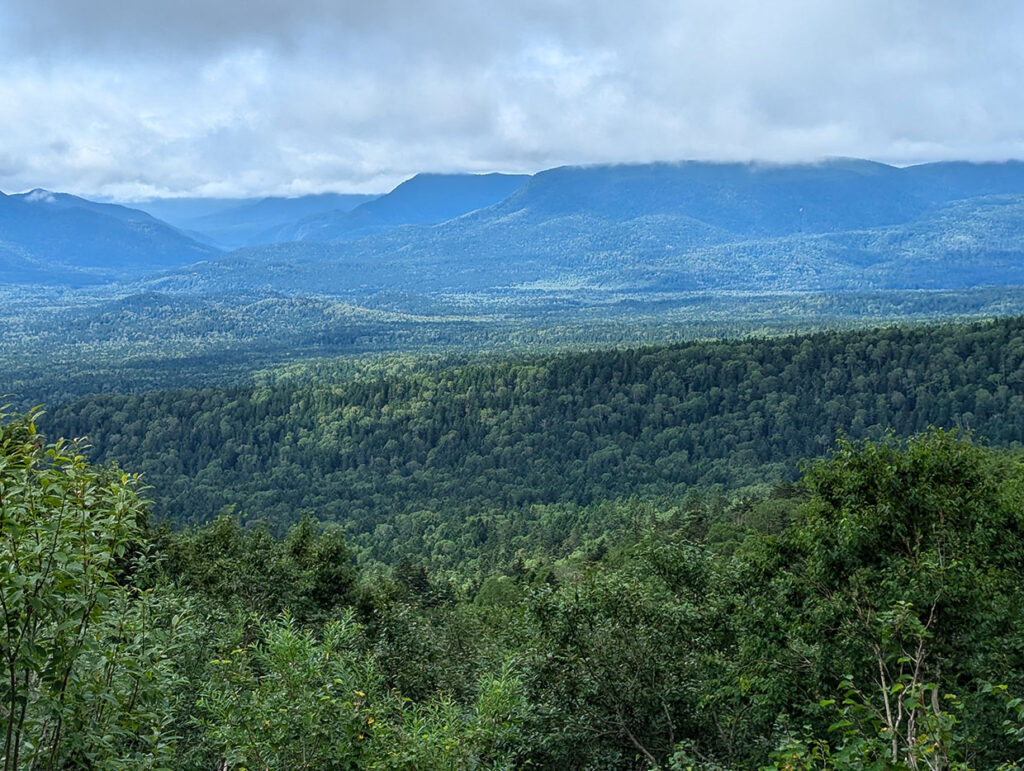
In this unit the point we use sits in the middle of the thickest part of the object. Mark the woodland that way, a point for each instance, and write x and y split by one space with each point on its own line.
793 552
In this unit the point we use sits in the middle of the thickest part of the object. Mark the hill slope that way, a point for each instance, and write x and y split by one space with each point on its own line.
423 200
554 429
62 239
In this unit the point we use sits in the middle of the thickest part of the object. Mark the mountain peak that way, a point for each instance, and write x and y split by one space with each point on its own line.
77 241
39 195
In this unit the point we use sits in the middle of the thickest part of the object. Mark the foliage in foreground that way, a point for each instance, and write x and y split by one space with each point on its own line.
880 628
87 646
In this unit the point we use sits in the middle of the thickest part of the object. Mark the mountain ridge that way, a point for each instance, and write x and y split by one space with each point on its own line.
58 238
257 221
424 199
837 226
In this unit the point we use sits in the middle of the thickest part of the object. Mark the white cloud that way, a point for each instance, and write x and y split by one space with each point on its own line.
265 96
40 196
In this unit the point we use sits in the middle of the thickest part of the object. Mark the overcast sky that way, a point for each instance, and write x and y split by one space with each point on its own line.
133 98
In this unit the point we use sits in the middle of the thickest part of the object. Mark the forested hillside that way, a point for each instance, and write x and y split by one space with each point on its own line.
867 617
401 457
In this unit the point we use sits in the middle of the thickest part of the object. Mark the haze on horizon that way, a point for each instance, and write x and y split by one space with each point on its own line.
230 98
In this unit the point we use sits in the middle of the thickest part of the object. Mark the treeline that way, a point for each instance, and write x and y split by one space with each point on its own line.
866 617
396 455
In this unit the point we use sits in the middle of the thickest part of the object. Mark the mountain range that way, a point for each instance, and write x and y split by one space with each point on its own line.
231 223
424 199
593 232
585 232
56 238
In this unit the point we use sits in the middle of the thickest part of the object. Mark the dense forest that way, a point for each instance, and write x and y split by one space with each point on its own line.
797 552
61 345
429 463
866 617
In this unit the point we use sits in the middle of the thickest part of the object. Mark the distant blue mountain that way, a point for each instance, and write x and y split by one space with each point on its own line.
840 225
425 199
232 223
955 180
180 212
62 239
747 199
66 202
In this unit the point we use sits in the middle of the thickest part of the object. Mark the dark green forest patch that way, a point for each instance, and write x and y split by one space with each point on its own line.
413 457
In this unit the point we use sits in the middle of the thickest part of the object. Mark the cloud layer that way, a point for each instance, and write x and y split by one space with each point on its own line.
250 97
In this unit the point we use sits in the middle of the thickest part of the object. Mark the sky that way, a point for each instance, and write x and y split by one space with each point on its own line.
131 99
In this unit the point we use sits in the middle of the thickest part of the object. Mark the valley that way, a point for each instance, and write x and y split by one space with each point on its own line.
649 466
482 386
592 256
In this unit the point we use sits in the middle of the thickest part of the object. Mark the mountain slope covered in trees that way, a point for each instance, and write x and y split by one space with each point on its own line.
838 225
419 458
